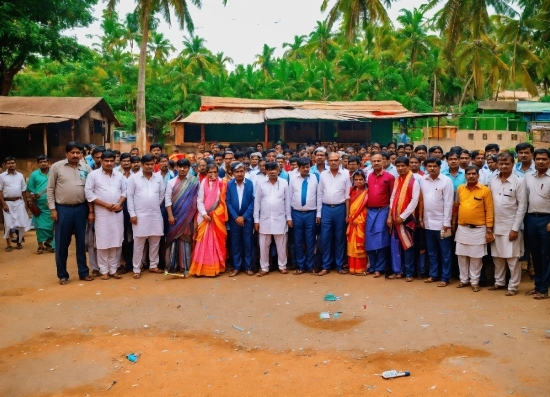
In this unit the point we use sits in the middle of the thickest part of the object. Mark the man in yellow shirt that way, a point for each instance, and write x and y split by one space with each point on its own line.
474 227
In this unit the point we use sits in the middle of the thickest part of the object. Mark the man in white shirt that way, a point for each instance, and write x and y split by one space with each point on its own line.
272 217
525 165
13 197
508 191
106 192
305 217
145 195
333 209
438 195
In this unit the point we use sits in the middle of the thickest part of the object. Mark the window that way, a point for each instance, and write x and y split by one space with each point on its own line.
484 137
499 137
514 137
471 137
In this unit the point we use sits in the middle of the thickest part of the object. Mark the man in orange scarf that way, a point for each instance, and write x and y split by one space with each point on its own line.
403 202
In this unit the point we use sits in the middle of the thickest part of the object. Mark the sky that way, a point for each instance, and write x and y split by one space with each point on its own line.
241 28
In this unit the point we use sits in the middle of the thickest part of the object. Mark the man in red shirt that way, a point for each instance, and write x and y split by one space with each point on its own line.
380 185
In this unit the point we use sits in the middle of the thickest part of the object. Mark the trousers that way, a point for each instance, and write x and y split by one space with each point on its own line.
470 269
304 238
241 244
265 242
500 272
139 244
333 236
71 220
539 245
107 259
439 254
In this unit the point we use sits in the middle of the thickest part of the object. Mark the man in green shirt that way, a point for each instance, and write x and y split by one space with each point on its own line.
43 223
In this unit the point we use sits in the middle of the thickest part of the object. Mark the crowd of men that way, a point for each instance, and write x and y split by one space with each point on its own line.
429 215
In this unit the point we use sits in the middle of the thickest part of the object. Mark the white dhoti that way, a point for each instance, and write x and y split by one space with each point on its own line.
506 252
17 218
139 245
265 242
107 260
470 249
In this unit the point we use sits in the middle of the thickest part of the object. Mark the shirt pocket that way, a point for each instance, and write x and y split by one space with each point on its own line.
508 197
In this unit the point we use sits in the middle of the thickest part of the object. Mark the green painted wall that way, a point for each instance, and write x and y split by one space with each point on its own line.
234 132
381 131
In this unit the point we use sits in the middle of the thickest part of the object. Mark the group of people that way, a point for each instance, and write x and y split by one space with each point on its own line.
396 210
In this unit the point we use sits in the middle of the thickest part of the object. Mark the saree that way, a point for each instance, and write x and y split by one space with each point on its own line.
43 223
402 235
357 256
180 235
210 249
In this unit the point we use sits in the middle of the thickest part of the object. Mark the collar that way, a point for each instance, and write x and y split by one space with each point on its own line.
511 176
531 167
448 171
478 185
112 172
536 173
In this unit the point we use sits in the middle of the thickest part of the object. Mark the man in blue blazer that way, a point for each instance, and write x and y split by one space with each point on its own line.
240 204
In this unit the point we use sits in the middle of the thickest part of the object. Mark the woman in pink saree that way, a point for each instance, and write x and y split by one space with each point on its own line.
210 251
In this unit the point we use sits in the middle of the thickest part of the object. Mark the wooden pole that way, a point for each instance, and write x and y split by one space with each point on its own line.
45 138
72 130
203 134
266 136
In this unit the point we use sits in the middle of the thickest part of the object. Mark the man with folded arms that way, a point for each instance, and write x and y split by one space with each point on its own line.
508 191
474 227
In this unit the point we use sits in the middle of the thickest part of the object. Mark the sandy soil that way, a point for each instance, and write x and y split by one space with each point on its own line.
247 336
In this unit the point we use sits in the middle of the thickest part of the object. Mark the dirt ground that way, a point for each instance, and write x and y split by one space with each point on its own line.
249 336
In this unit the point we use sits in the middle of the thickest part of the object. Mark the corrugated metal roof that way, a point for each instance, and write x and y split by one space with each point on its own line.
23 121
533 107
303 114
61 108
224 117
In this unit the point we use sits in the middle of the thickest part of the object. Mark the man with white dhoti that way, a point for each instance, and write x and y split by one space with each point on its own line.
13 197
474 227
106 192
145 194
272 216
508 191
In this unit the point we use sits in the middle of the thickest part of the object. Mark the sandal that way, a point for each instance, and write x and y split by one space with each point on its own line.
541 296
391 277
39 250
362 274
105 277
532 292
376 274
323 272
48 247
409 279
249 273
462 285
298 271
443 284
19 246
116 275
496 287
9 248
399 276
87 278
284 271
155 270
63 281
261 273
233 273
429 280
511 292
475 288
343 271
137 275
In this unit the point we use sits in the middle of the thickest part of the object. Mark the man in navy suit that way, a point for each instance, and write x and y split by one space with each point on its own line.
240 204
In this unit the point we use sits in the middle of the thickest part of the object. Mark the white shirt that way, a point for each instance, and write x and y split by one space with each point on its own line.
538 192
99 185
438 198
414 199
272 206
485 175
296 182
333 189
419 178
509 203
12 185
240 191
144 197
392 170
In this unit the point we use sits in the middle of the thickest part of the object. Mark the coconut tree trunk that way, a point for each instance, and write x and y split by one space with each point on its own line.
464 92
141 133
435 92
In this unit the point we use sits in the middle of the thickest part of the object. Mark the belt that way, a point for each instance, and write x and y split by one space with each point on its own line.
70 205
333 205
539 214
303 211
377 208
473 226
12 198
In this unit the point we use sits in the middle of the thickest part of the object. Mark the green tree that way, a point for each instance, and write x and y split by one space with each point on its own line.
265 61
34 27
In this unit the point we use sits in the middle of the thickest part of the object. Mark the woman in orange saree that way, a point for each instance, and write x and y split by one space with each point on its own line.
357 256
210 250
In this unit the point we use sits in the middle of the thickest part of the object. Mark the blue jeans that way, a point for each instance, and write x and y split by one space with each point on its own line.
539 245
439 254
420 251
304 235
378 260
71 220
333 236
241 244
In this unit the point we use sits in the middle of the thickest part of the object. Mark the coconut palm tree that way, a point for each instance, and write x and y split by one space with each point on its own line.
265 61
295 48
321 41
160 48
413 36
200 58
356 14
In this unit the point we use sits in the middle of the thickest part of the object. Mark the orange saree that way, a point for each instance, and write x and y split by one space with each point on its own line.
357 256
